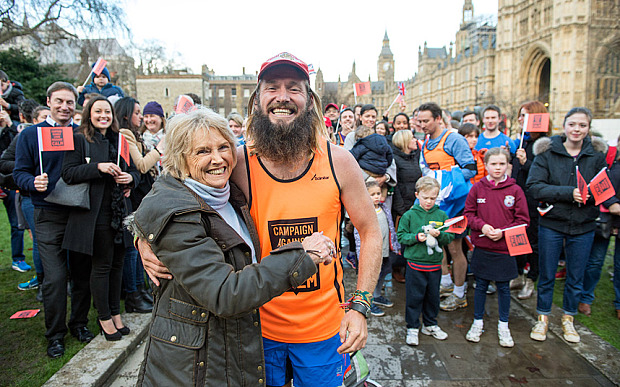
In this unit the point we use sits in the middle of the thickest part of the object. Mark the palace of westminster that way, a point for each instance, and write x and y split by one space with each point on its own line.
565 53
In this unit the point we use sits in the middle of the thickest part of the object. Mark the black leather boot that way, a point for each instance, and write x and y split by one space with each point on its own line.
146 294
134 303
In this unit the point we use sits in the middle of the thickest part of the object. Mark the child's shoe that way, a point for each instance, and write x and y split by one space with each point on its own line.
474 333
376 311
435 331
505 339
383 301
539 331
517 283
351 259
412 336
453 303
570 334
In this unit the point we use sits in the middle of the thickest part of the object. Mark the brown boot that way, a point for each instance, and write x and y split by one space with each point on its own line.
584 309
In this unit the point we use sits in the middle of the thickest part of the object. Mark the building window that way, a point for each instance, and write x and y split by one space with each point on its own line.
452 79
246 93
234 91
439 84
222 111
221 93
166 92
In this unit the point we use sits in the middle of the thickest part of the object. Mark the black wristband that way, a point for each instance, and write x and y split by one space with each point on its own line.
359 307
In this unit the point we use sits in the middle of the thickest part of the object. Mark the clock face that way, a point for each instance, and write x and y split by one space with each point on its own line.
386 66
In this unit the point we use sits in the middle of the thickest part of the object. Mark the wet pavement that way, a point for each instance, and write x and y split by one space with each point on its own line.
457 362
452 362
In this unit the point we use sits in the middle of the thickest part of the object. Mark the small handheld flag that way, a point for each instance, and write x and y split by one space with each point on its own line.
601 187
516 240
401 88
123 150
581 185
455 225
362 88
184 105
538 122
99 66
54 139
311 70
25 314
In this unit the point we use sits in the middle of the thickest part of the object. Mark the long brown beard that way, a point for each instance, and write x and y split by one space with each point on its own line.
284 143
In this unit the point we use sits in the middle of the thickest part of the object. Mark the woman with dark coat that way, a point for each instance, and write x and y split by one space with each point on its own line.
570 217
407 157
206 328
98 232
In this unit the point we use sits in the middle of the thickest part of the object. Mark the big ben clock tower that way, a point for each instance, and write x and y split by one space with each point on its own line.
385 64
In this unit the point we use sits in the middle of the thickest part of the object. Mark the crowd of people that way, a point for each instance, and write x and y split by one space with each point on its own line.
240 222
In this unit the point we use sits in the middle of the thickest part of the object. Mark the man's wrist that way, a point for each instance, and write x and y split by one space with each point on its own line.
359 307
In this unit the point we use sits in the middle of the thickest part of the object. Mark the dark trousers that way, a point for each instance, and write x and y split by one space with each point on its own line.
532 259
107 273
503 298
422 297
17 235
50 229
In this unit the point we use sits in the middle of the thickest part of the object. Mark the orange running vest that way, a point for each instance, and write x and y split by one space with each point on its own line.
289 210
437 159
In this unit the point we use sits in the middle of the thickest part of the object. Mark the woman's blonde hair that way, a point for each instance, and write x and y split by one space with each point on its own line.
401 139
180 138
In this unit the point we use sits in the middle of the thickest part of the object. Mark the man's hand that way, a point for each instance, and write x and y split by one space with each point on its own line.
353 332
614 209
41 182
521 156
153 266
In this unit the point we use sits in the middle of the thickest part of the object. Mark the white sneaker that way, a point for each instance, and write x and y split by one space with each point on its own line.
474 333
412 336
570 334
435 331
505 339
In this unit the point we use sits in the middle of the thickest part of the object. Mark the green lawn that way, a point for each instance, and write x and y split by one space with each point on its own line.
603 319
23 349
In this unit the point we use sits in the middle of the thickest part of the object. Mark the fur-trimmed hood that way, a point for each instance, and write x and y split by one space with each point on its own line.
543 144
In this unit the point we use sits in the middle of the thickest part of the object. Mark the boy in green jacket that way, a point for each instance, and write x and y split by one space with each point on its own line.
423 274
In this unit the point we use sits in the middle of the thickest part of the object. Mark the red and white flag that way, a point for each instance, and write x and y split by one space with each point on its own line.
311 70
362 88
55 138
516 240
538 122
581 185
184 105
456 225
123 150
99 66
601 187
401 88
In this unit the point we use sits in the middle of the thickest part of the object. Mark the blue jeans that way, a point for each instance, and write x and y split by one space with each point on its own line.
577 249
593 270
28 210
503 298
129 270
17 235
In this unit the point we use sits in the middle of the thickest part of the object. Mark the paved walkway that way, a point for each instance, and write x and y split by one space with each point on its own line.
453 362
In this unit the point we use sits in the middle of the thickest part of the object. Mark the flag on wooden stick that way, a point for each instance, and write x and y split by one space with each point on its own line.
362 88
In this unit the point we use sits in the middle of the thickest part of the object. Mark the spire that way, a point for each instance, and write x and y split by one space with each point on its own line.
468 12
25 23
385 50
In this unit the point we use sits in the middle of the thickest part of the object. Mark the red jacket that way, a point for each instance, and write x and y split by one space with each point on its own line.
500 206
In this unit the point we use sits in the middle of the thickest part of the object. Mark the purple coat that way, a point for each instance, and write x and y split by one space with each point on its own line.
500 206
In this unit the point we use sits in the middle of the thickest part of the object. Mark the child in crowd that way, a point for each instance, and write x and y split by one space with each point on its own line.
388 236
494 203
471 133
423 273
372 152
100 85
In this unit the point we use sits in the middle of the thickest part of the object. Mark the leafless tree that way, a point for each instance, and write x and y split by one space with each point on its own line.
51 20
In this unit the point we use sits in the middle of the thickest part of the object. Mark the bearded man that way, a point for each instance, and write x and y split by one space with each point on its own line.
296 183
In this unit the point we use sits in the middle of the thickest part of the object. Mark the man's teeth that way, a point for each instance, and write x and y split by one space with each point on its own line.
281 112
216 171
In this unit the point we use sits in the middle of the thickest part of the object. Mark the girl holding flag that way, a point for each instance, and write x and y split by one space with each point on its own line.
570 217
494 204
98 233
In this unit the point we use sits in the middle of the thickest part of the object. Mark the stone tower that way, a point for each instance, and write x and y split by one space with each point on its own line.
385 63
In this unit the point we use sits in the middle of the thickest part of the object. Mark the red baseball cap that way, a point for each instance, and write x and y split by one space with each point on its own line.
284 58
331 105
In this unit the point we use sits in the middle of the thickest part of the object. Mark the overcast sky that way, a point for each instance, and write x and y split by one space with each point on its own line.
330 34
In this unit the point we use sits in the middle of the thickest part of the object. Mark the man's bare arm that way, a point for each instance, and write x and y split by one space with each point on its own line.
353 328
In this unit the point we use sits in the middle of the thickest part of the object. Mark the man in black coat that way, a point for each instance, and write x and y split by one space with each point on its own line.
12 95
